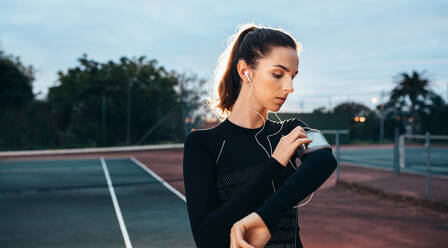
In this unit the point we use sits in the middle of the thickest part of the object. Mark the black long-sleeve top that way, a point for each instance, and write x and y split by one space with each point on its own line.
228 175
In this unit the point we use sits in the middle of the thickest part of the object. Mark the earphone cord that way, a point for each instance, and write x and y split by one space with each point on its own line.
270 155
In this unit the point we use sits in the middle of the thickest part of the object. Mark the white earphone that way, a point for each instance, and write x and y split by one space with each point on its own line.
247 75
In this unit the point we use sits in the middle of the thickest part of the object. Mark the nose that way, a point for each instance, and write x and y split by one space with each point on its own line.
288 86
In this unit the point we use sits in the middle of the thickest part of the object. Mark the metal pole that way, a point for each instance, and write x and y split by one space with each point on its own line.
402 151
103 119
428 170
382 123
396 155
337 155
128 117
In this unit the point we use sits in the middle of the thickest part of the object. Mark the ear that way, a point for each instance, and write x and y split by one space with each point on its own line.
242 67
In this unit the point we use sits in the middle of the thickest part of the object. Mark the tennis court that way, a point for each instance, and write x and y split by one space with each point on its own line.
91 200
64 199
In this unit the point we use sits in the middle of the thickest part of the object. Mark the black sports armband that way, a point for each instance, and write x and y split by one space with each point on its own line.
319 142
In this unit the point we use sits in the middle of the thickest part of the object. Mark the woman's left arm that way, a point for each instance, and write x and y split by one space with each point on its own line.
315 169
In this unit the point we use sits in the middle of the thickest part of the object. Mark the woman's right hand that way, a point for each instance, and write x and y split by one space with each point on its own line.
249 232
289 144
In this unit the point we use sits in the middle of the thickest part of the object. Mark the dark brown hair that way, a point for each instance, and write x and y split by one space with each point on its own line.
249 43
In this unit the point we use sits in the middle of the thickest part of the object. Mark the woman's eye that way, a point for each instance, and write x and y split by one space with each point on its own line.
277 75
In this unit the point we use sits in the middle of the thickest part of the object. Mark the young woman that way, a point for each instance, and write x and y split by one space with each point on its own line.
241 177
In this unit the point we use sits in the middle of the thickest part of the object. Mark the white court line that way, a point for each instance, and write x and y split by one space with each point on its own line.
124 231
152 173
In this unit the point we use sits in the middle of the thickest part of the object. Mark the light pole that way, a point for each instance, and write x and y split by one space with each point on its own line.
381 114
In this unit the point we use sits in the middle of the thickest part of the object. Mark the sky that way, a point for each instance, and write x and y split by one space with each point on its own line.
351 50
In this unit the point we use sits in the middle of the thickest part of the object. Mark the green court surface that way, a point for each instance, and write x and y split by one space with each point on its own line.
69 203
415 158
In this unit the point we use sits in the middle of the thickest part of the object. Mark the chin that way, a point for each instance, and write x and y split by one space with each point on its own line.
275 108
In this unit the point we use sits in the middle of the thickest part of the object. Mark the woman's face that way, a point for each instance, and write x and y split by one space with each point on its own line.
273 77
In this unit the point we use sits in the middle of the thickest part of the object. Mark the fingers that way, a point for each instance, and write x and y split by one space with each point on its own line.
237 237
298 132
233 237
301 141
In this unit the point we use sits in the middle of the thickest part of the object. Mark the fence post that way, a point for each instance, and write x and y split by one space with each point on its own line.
402 151
428 164
396 159
337 155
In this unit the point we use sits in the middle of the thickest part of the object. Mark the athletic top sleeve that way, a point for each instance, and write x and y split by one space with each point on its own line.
315 169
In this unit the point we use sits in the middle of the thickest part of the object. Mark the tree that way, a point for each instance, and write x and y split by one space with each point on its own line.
436 120
94 103
320 110
365 128
352 108
15 82
410 98
16 96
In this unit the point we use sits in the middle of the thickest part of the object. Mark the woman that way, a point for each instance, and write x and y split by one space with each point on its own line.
240 192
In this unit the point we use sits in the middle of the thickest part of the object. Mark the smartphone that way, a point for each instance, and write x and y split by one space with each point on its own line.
319 142
318 138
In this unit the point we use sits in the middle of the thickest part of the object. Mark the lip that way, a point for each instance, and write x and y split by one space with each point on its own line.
281 100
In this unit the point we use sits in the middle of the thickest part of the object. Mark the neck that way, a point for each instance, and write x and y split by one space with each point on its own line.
243 110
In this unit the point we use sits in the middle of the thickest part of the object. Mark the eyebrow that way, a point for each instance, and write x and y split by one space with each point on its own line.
284 68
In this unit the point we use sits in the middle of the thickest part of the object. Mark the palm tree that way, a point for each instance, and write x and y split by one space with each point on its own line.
412 90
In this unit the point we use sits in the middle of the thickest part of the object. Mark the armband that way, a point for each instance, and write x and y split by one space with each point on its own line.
319 142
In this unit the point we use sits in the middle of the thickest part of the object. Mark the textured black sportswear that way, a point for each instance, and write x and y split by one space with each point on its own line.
227 175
